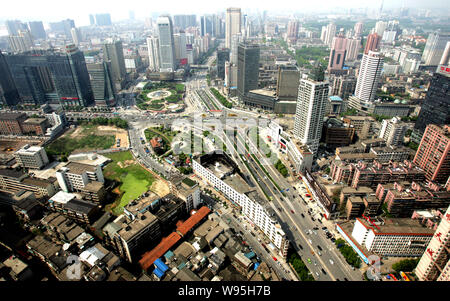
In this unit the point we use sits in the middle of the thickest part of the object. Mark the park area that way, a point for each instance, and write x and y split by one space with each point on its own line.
88 137
133 180
164 96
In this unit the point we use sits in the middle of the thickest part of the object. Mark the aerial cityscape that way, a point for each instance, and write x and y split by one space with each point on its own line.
257 141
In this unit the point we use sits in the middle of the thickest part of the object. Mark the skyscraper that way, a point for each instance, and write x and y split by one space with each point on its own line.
368 77
380 27
292 31
166 44
37 29
358 29
184 21
337 53
13 27
434 265
113 52
373 42
207 25
232 24
330 34
223 55
247 68
310 111
102 83
91 20
103 19
22 42
63 26
76 36
433 154
8 92
353 46
445 58
436 106
48 76
153 53
434 48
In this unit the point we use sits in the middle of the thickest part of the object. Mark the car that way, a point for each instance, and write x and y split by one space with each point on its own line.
323 271
302 215
333 239
309 260
313 219
317 274
300 246
345 279
331 261
274 258
315 263
292 211
318 247
320 221
316 228
324 228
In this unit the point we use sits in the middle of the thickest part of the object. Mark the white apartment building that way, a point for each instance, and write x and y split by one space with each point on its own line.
254 210
402 237
435 262
369 76
75 176
393 130
31 157
310 111
434 48
153 53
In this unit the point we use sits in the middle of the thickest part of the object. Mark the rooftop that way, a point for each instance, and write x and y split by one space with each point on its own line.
141 221
79 168
397 226
166 243
192 221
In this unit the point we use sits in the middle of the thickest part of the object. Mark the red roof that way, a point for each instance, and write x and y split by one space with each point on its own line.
166 243
193 220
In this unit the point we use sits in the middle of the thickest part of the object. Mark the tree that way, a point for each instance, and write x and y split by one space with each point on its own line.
405 265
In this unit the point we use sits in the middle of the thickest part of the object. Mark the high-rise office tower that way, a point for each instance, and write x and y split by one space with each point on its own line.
166 44
103 19
182 48
434 265
433 154
232 24
37 30
369 76
47 76
373 42
353 47
113 52
76 36
8 92
102 83
247 68
434 48
80 74
337 53
153 53
13 27
310 111
235 41
358 29
436 106
207 25
223 55
292 31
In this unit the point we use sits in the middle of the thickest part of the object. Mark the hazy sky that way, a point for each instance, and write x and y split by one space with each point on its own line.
79 10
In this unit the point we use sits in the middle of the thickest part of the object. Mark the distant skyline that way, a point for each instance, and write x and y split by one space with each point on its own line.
51 10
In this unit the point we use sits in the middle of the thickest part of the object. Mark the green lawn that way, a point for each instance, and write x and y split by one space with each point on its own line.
134 179
88 140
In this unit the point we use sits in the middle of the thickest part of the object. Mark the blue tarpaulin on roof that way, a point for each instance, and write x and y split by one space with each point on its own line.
256 266
250 255
158 273
160 265
168 255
